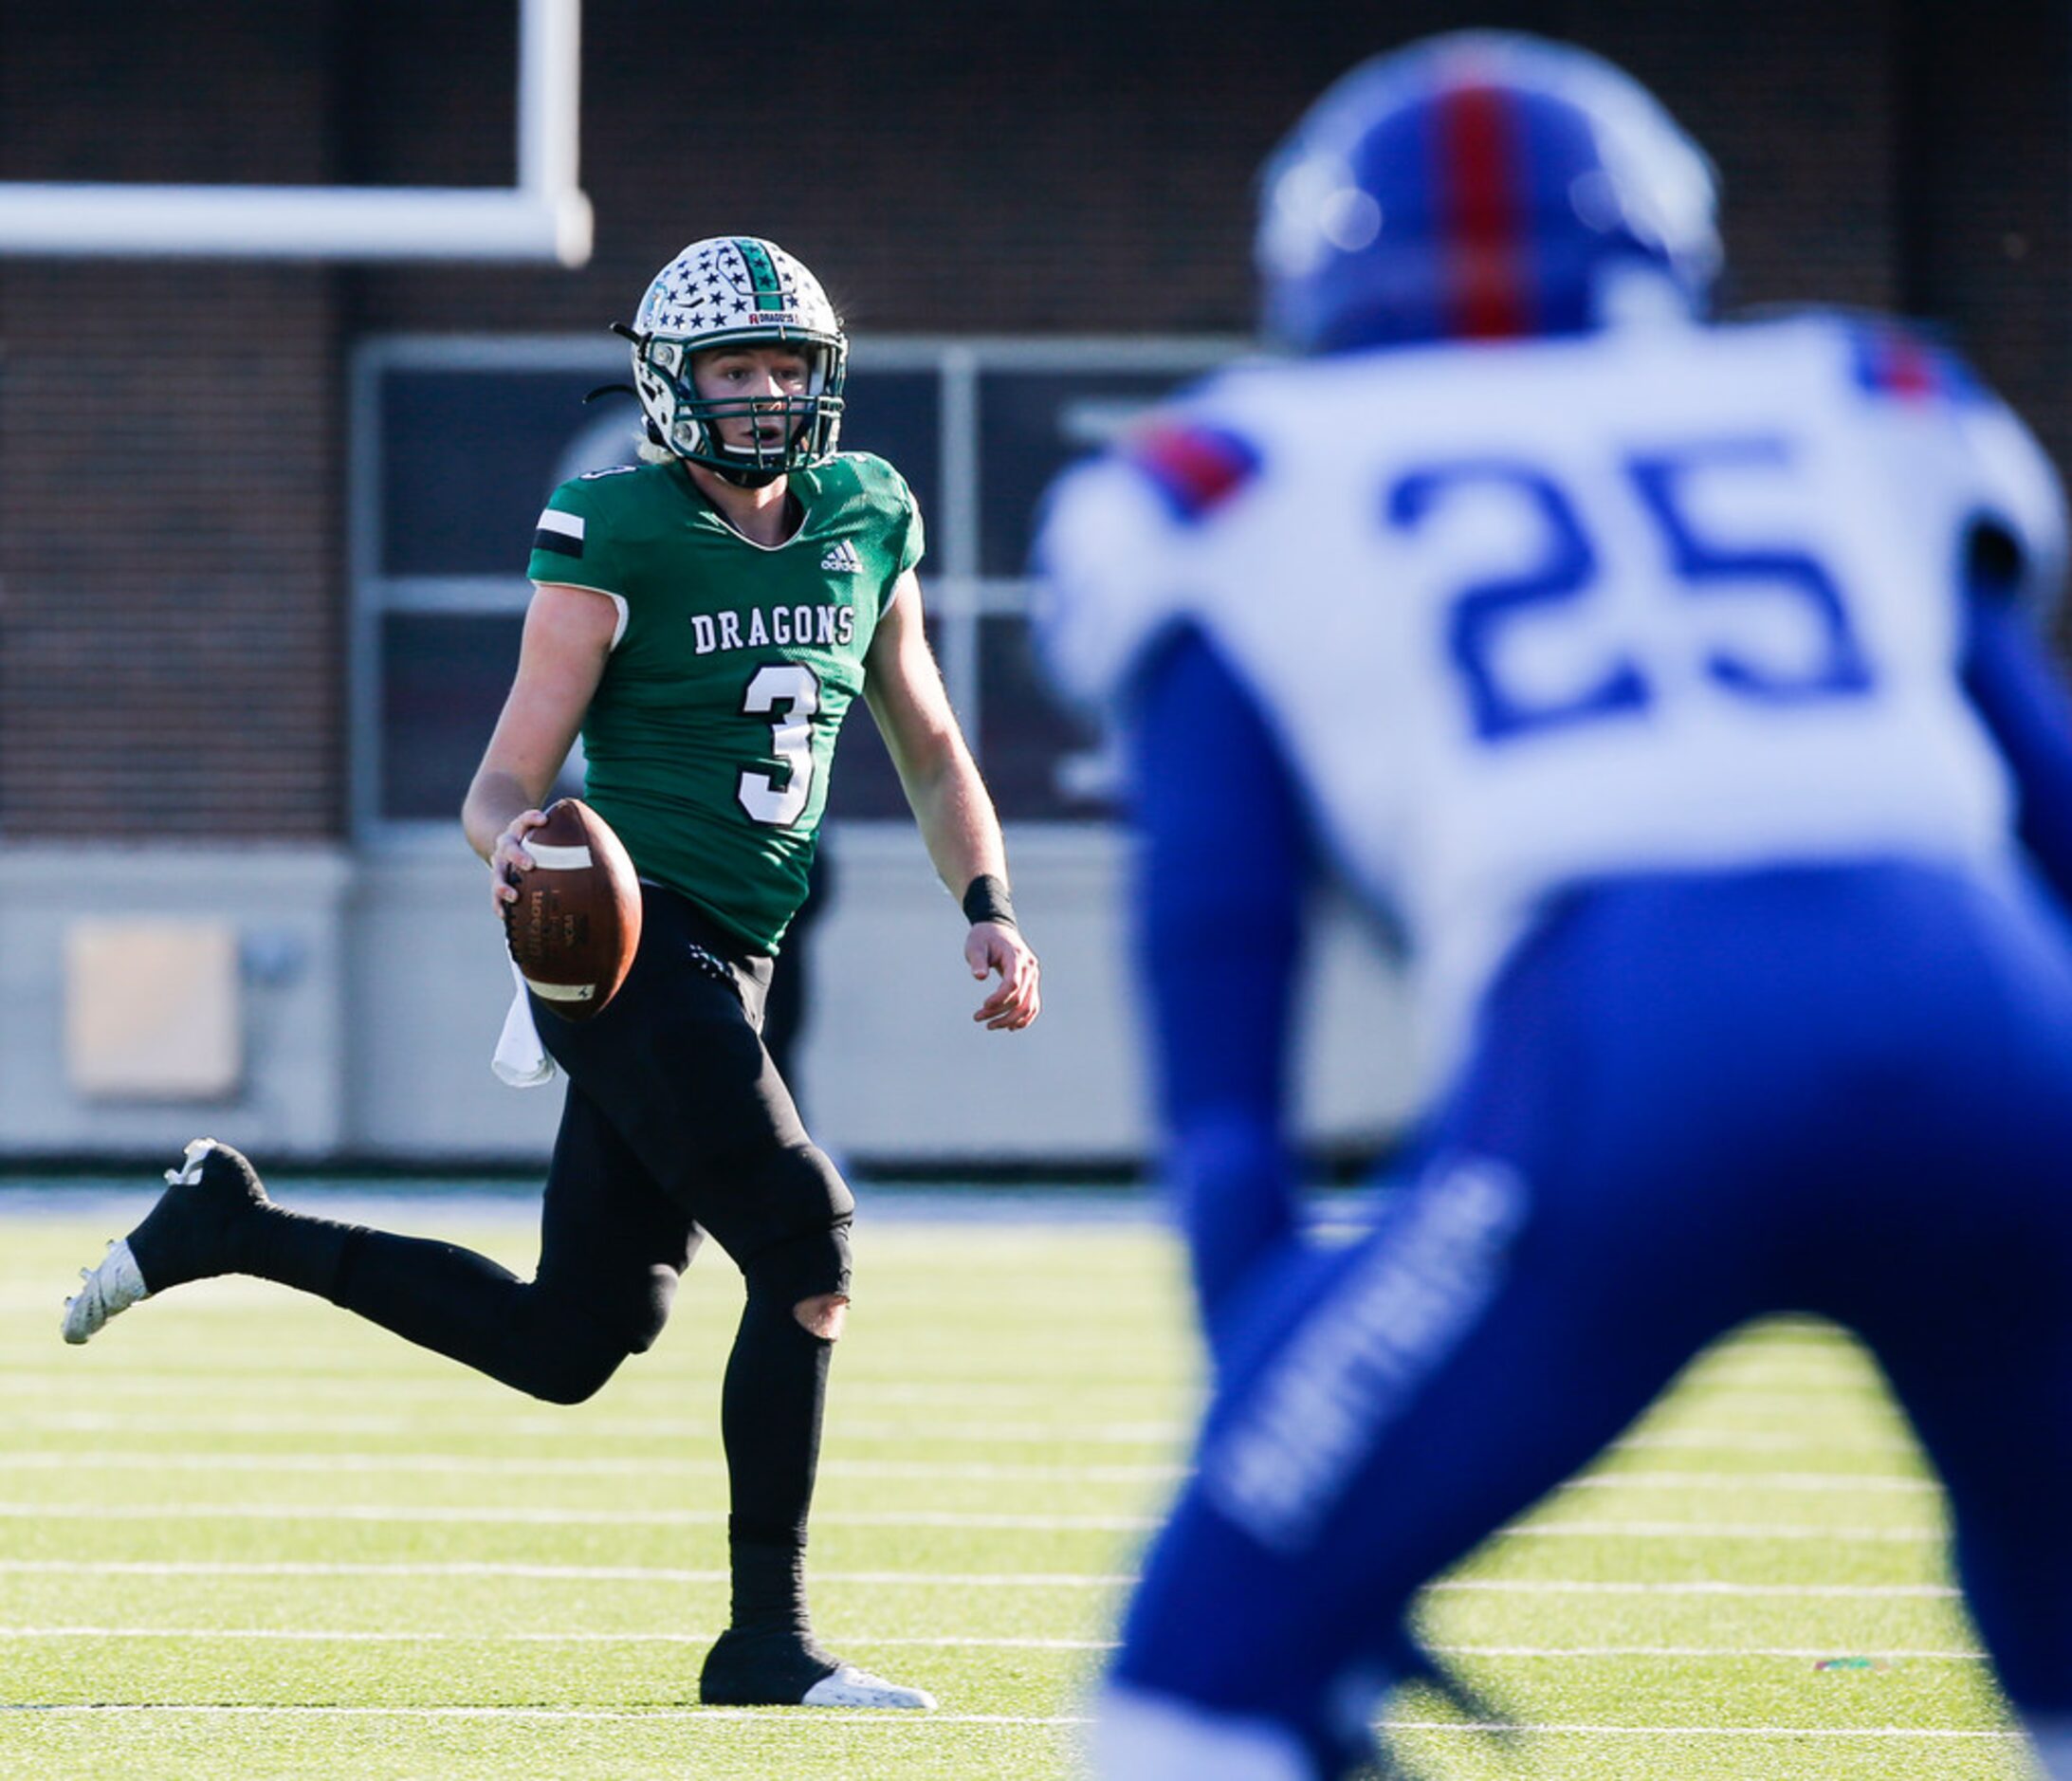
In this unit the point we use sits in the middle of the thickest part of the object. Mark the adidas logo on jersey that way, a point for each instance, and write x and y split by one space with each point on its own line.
843 560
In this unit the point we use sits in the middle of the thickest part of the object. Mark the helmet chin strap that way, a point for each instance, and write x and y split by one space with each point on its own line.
742 470
745 478
741 476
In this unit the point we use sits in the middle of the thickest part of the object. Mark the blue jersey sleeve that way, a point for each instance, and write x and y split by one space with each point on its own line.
1222 871
2027 706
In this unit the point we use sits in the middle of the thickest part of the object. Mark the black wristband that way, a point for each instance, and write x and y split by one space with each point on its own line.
986 900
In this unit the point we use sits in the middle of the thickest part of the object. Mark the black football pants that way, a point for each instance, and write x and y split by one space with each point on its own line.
676 1124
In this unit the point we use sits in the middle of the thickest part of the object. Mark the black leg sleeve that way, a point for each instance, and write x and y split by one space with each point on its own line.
770 1411
612 1249
463 1305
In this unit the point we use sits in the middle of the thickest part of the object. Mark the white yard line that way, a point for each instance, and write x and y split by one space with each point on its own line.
1767 1367
492 1516
1871 1401
1717 1653
527 1424
1009 1579
1846 1483
501 1515
592 1465
1701 1730
586 1428
792 1715
1720 1531
554 1574
1840 1591
1758 1441
292 1635
197 1377
122 1459
530 1424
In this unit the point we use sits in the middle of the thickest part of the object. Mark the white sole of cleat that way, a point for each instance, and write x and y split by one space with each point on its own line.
851 1687
110 1286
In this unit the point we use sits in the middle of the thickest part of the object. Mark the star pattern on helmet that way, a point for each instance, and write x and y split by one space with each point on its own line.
711 286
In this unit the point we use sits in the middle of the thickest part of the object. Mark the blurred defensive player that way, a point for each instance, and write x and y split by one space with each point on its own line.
706 620
1672 688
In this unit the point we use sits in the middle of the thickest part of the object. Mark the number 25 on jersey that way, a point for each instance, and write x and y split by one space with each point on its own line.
1567 570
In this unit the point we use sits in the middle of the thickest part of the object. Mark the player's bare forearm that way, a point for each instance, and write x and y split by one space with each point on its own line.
494 802
956 818
905 691
568 634
963 840
949 802
502 808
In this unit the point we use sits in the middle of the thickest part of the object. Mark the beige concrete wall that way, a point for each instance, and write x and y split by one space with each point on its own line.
288 907
371 989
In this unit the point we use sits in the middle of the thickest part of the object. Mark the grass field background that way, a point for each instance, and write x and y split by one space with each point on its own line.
244 1535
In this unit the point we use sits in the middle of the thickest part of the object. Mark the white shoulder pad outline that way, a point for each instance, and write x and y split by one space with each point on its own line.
2020 488
2011 481
1107 585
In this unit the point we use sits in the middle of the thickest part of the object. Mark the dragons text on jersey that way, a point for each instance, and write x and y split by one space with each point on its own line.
754 629
711 733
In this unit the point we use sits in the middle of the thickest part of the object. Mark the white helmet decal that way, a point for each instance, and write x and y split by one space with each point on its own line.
733 284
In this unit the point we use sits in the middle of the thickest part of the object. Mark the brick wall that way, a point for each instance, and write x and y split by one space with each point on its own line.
1015 173
172 437
169 446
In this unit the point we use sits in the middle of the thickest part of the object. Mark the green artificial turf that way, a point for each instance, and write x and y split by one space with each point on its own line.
242 1535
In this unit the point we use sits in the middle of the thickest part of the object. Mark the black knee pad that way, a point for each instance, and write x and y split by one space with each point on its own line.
573 1354
650 1311
798 1236
803 1265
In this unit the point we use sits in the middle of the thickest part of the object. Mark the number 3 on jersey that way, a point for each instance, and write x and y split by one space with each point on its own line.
1566 569
787 695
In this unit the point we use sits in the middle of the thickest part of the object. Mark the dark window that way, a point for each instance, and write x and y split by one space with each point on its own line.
466 438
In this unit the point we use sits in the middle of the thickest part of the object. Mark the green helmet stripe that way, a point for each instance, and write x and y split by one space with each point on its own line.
761 272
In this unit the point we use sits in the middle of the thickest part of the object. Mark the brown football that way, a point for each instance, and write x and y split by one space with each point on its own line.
575 926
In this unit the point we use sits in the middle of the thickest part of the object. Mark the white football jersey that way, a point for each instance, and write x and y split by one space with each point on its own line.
1526 615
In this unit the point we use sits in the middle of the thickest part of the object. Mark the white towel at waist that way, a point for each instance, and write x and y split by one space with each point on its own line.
520 1060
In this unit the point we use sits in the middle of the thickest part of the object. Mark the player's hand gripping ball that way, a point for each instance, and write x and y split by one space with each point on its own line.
575 926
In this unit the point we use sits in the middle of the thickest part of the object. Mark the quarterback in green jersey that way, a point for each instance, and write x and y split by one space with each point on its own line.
710 732
709 619
706 620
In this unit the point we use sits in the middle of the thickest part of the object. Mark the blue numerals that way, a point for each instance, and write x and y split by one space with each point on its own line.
1563 575
1662 480
1564 571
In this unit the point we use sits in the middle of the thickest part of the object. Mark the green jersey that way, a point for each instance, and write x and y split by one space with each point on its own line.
711 733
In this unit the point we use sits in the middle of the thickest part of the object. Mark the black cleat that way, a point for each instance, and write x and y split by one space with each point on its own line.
189 1233
787 1668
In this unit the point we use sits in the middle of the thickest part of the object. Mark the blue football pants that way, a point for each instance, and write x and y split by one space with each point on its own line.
1691 1101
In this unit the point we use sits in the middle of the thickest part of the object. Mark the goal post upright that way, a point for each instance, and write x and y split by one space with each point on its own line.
545 216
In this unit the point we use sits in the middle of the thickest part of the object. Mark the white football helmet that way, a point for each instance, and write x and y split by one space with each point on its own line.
733 291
